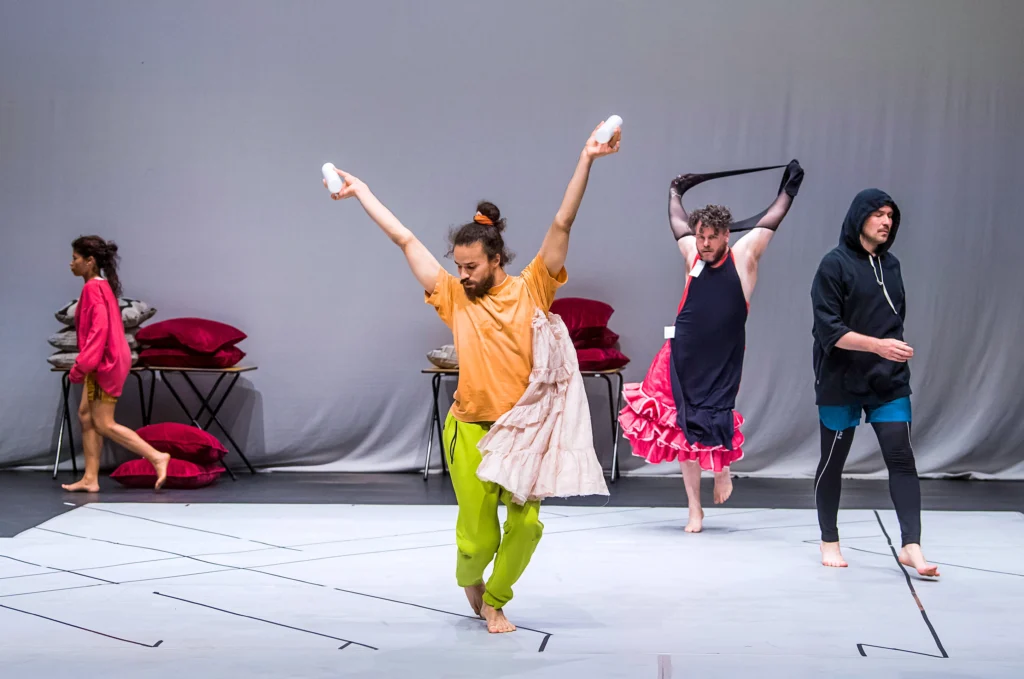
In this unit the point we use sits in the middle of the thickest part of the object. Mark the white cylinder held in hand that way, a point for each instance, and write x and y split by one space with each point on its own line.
605 132
334 183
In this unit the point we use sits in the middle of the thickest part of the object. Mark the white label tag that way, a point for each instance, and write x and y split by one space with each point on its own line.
697 268
670 332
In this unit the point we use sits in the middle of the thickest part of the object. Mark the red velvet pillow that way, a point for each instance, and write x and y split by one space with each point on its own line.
181 474
594 338
182 358
197 334
184 442
579 313
601 359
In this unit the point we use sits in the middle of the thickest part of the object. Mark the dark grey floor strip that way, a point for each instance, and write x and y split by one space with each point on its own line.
348 642
943 563
173 577
910 584
55 589
861 647
59 570
84 629
544 643
176 525
804 525
450 529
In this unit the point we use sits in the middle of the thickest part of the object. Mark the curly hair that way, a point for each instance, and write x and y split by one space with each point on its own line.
488 235
715 217
105 254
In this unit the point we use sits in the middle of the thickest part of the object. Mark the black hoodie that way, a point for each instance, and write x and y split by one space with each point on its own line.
849 293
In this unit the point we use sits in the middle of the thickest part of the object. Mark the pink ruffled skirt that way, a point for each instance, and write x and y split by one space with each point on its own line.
649 422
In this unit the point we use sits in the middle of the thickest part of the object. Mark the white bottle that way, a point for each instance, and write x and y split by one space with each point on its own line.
334 183
605 132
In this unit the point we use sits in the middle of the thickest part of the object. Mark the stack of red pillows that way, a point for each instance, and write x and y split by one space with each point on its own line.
587 321
195 458
190 343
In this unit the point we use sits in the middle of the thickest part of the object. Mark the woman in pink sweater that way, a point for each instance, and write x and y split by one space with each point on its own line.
103 362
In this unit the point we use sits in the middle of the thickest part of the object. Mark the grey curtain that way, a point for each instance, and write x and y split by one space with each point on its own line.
192 133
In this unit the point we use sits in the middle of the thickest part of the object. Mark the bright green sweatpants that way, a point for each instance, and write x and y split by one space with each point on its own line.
478 534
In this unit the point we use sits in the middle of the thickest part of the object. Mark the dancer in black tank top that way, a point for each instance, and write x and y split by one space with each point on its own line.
685 408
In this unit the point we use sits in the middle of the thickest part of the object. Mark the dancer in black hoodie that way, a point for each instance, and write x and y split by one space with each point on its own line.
860 364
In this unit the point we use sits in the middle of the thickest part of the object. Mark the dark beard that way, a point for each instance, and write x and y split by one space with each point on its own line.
716 256
475 292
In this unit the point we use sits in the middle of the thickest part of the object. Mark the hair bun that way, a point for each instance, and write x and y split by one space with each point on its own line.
491 211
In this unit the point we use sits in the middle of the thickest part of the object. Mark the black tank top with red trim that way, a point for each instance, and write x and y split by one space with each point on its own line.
707 353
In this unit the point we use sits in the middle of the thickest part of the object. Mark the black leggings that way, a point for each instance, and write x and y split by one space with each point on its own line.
904 487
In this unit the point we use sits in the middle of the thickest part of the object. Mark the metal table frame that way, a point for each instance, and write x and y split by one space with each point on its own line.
204 400
147 412
439 374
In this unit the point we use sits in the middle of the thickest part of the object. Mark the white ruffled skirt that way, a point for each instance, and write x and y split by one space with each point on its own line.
543 447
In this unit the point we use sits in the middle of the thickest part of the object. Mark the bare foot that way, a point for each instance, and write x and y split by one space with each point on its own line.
475 594
497 623
831 556
723 486
160 465
912 556
696 522
82 486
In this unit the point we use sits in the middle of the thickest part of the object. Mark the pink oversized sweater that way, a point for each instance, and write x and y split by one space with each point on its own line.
102 345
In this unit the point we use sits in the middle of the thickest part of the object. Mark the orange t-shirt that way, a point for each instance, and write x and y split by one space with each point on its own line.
494 337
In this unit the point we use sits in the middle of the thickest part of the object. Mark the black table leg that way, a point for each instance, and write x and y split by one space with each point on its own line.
430 430
204 405
152 391
213 412
65 423
71 437
615 405
435 427
440 427
618 429
142 397
174 393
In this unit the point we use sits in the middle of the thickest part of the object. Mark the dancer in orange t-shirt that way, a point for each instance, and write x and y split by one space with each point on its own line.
490 314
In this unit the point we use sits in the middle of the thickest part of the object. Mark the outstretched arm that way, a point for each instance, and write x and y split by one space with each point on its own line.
556 243
762 226
423 264
679 220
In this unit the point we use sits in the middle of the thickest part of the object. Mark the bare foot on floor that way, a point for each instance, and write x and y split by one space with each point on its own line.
497 623
723 486
696 522
82 486
912 556
475 594
160 465
831 556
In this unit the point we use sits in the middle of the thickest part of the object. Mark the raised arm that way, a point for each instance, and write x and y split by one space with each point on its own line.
423 264
762 226
556 243
679 219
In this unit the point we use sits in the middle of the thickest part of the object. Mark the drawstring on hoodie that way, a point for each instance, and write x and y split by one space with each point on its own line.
880 279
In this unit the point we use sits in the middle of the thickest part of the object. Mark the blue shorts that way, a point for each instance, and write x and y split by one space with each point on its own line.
838 418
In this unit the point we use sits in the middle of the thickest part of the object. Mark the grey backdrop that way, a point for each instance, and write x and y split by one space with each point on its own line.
192 133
